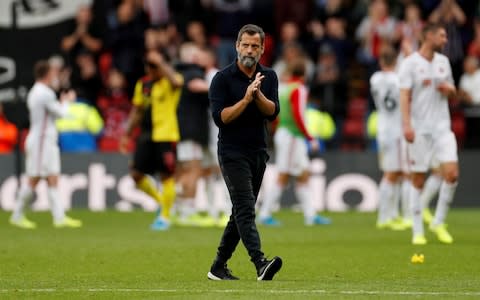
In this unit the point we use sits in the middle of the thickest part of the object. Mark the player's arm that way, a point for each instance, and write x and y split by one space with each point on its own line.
299 119
134 118
69 41
221 113
59 109
405 104
406 82
174 78
298 115
447 88
92 43
268 107
198 85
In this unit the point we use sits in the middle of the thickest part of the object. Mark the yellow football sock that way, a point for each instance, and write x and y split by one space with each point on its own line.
169 195
148 188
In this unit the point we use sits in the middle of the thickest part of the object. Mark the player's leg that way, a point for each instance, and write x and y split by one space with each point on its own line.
215 189
164 163
210 183
24 196
163 218
60 219
389 194
33 166
142 164
218 196
50 170
284 144
417 181
419 156
405 200
187 208
56 206
190 155
389 190
272 196
386 194
405 184
430 190
304 195
446 151
446 194
147 185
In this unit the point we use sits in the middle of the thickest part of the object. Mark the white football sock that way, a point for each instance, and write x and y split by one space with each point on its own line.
385 205
430 189
25 195
394 210
56 205
271 198
302 191
186 207
447 191
416 207
406 211
210 184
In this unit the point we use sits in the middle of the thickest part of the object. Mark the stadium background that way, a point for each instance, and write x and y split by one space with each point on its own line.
33 29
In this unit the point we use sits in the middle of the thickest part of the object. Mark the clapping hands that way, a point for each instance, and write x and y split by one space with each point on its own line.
254 87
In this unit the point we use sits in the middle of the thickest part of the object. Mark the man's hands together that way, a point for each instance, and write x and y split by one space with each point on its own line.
254 88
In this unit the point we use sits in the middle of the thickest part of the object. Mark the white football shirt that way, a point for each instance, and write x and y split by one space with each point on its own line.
470 83
44 108
385 90
429 108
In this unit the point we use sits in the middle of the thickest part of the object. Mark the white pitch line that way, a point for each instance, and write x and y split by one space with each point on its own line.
331 292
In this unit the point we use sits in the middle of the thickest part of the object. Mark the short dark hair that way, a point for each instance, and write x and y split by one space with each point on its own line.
251 29
41 69
297 67
431 27
388 56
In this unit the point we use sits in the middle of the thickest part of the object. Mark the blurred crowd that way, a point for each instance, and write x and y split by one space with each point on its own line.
103 56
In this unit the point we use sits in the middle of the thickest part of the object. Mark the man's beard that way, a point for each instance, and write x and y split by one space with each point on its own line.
438 48
247 61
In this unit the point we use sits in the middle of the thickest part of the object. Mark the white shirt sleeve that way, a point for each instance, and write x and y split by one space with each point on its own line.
54 107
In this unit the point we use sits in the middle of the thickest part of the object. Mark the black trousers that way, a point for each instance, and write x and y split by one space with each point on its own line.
243 173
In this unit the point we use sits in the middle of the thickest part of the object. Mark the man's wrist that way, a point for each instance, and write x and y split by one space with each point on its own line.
246 100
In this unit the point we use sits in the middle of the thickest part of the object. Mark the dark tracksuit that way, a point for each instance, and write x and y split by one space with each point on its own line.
242 154
192 111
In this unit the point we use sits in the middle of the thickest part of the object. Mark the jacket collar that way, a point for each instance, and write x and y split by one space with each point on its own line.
236 70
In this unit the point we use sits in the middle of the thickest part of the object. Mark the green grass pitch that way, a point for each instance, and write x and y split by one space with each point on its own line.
116 256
